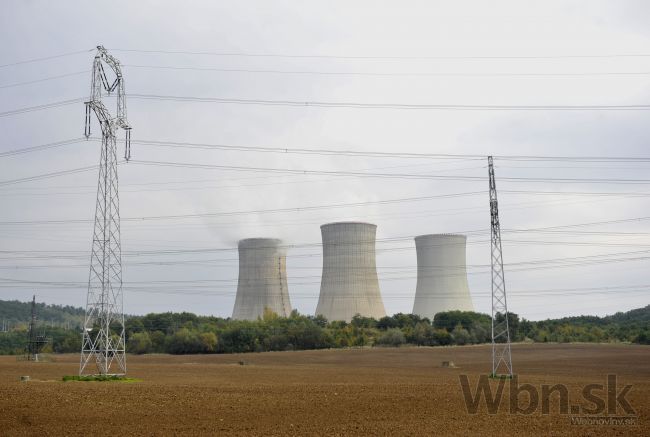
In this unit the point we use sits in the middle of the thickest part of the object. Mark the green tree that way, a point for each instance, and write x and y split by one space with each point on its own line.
386 322
208 342
450 319
392 337
643 337
422 334
157 341
184 341
460 335
139 343
363 322
133 325
69 342
441 337
479 333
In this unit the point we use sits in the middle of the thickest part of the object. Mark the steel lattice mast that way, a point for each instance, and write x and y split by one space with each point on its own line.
501 356
34 342
103 336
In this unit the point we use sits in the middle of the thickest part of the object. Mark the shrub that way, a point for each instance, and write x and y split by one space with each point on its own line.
208 341
643 338
441 337
184 341
139 343
422 334
460 335
392 337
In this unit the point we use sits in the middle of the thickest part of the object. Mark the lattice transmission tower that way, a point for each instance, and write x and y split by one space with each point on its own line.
103 335
501 356
35 342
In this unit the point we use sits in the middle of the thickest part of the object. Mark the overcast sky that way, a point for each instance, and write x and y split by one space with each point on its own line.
502 53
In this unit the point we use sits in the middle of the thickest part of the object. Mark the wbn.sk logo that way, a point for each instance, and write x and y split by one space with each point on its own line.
604 400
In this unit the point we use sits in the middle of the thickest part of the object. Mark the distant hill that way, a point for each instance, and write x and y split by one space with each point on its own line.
182 333
15 313
632 317
639 315
633 325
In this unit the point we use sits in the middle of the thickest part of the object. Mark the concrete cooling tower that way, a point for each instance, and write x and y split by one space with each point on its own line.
349 284
262 279
442 275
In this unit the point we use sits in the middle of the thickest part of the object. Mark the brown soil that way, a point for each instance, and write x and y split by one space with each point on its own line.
332 392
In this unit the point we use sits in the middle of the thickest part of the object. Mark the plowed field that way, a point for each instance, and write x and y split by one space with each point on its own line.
331 392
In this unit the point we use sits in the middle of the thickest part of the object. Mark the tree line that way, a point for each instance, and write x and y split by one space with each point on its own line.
187 333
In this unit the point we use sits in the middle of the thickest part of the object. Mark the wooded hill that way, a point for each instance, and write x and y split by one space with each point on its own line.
185 333
16 315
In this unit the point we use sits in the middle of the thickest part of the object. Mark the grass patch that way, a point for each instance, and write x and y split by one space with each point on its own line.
99 378
499 376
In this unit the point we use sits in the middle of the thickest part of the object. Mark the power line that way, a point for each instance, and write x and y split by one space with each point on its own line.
557 228
49 175
43 147
394 57
387 74
299 209
207 285
351 105
538 264
340 173
26 255
259 211
577 193
578 225
360 105
388 175
348 152
523 265
306 151
45 191
41 107
247 169
526 266
46 58
302 171
20 255
574 158
362 153
45 79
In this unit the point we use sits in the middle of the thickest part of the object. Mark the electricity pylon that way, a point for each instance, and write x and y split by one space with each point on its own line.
103 334
34 342
501 356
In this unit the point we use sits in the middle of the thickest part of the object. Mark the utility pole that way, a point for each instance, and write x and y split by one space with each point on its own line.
501 355
103 332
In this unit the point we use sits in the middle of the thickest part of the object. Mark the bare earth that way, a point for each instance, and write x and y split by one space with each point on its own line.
331 392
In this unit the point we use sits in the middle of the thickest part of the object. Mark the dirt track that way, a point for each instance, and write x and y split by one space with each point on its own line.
332 392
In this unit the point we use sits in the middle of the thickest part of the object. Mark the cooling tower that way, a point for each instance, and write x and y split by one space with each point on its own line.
262 279
349 283
442 275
